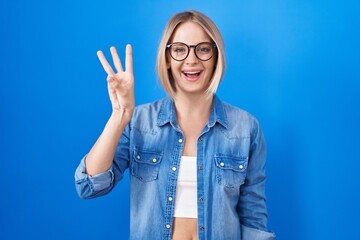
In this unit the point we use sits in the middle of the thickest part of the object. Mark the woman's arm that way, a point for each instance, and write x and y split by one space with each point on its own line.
252 202
121 93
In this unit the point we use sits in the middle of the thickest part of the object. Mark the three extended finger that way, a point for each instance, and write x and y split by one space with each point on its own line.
108 69
128 59
116 59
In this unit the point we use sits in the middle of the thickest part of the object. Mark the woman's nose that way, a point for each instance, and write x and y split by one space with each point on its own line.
192 57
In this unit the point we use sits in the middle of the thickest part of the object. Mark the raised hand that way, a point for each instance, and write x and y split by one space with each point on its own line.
121 83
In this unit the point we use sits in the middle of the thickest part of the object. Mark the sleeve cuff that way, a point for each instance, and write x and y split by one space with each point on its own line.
97 182
256 234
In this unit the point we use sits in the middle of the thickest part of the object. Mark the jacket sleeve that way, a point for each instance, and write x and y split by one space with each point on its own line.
251 205
248 233
98 185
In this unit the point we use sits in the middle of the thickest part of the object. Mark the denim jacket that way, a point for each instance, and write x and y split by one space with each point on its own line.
231 156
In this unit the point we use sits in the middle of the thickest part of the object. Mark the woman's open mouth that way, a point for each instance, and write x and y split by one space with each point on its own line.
192 75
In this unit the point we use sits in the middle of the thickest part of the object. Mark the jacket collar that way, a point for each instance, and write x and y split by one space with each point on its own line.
167 113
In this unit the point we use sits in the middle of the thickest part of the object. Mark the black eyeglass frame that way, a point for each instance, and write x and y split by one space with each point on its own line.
193 46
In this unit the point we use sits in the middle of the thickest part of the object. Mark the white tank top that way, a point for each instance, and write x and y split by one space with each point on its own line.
186 189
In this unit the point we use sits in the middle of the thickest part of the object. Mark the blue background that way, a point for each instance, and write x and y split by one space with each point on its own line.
293 64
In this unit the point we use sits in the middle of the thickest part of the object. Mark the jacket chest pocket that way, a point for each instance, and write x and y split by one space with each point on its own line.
146 164
231 170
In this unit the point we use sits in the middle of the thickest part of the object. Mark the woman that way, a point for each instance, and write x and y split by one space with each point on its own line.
197 164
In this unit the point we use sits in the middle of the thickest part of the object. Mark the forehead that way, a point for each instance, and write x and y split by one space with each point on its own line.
190 33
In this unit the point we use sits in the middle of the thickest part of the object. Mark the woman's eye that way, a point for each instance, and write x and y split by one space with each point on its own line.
179 50
204 50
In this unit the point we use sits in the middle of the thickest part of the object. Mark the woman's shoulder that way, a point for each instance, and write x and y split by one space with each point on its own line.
238 117
150 115
150 107
145 117
234 112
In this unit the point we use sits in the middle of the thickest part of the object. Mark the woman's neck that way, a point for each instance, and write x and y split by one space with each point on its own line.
193 107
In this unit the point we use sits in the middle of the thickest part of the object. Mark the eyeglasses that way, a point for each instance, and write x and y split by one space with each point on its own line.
180 51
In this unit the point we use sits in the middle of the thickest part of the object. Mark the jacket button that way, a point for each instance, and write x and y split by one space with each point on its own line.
202 228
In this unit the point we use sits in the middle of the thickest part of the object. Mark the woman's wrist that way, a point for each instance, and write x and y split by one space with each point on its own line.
121 117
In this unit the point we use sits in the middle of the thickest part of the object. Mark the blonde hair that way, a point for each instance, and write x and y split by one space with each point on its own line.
165 76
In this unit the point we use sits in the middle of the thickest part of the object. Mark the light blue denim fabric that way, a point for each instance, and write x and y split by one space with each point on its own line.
231 157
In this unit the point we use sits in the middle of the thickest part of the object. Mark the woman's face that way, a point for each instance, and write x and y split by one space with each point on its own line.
191 75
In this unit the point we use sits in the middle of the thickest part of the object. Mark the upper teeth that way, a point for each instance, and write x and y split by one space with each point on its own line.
192 72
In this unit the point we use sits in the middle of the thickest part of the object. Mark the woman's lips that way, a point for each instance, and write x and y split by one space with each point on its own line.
192 75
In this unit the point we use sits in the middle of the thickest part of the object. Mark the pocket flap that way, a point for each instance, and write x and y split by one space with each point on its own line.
148 157
235 163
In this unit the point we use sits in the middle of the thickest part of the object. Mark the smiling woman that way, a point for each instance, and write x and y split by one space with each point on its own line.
197 164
